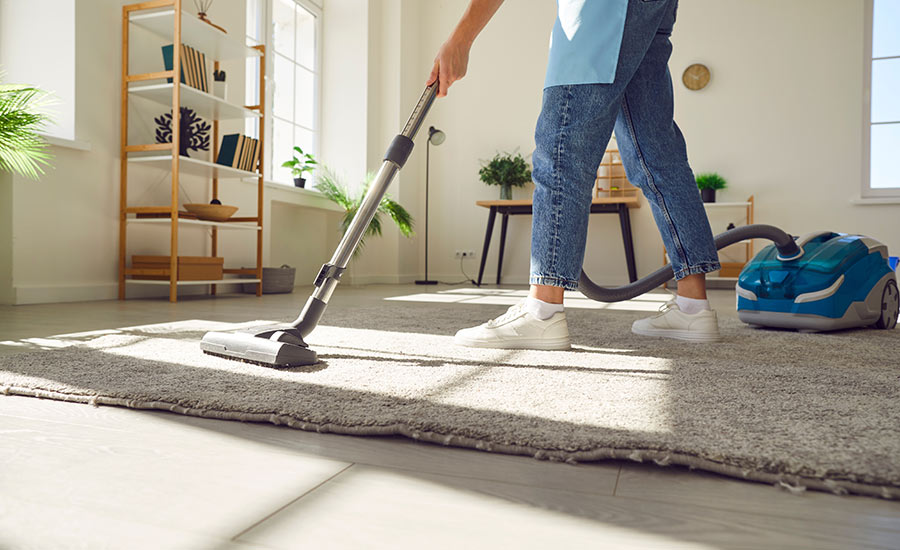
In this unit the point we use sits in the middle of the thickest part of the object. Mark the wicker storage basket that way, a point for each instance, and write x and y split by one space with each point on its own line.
275 280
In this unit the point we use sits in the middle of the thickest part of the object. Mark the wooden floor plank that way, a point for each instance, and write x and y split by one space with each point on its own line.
157 473
678 486
406 509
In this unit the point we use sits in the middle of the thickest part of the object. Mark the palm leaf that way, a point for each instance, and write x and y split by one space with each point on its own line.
329 186
22 150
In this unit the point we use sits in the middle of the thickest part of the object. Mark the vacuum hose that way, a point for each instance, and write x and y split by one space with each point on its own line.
787 249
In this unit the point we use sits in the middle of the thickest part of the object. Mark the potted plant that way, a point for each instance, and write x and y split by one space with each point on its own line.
22 150
708 183
507 171
299 165
332 189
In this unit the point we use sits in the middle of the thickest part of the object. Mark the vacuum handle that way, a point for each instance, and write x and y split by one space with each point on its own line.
421 109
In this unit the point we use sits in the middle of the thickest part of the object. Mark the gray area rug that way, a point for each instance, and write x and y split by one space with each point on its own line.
818 411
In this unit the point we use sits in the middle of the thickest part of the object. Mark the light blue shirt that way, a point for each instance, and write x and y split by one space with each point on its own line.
584 46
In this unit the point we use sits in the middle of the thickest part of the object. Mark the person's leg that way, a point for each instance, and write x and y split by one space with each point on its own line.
571 136
655 157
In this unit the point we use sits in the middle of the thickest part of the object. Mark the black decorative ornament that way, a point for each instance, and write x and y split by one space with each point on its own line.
194 131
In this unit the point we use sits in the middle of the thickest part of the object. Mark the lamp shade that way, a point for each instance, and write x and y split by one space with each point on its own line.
435 136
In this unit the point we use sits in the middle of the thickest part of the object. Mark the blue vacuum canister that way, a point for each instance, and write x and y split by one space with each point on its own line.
839 281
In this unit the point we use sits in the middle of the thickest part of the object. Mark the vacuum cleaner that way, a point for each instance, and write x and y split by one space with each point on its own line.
823 282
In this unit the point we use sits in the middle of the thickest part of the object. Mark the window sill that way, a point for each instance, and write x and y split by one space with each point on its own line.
297 196
69 143
875 201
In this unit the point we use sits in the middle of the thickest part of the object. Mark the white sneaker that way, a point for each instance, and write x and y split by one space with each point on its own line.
671 322
518 329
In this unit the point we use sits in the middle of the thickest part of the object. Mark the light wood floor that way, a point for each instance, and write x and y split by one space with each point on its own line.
75 476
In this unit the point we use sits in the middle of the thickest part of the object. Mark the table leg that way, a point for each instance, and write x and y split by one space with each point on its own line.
502 245
625 221
487 241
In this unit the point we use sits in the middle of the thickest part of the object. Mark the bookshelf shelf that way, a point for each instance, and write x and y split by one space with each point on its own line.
172 26
204 104
192 166
182 221
196 33
233 281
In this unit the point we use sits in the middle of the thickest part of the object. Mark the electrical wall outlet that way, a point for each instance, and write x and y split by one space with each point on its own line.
465 254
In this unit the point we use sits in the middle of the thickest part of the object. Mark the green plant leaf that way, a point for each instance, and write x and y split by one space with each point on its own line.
336 192
22 150
505 169
710 180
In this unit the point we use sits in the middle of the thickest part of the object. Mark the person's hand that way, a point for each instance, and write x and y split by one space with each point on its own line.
450 64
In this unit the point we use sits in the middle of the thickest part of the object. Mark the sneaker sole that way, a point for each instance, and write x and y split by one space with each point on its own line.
553 344
685 335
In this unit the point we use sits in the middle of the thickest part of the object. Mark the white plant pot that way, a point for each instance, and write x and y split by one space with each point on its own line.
219 88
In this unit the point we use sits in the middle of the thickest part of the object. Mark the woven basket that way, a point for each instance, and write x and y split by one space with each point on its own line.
275 280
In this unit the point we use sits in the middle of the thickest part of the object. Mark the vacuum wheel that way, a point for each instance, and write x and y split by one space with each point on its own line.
890 306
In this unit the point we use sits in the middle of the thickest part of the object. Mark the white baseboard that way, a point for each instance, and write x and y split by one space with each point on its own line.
54 294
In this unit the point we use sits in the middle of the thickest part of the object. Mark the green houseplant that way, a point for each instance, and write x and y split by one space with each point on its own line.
299 165
708 183
507 171
22 150
335 191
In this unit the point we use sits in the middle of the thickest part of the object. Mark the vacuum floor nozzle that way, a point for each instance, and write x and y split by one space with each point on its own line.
278 349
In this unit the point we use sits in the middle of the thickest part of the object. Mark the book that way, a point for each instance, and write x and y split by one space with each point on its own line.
187 64
255 157
204 74
195 67
239 155
169 62
198 63
252 151
228 150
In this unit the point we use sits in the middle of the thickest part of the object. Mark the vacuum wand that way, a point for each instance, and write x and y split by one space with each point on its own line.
394 159
284 346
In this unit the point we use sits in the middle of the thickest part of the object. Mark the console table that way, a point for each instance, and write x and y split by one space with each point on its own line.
599 205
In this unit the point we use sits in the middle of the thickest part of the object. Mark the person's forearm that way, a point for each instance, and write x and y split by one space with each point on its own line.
475 18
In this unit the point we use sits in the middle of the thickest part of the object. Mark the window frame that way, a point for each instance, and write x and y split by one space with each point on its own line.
866 190
269 41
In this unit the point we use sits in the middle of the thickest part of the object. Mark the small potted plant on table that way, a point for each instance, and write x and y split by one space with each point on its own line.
708 183
507 171
299 165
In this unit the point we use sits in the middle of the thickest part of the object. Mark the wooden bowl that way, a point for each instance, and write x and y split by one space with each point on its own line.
212 212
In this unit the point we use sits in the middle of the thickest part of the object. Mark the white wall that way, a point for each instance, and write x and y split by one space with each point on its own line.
781 120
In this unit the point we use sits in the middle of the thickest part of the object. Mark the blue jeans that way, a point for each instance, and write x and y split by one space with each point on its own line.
572 133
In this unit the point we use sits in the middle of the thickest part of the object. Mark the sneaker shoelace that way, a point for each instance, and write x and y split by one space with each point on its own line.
666 307
511 313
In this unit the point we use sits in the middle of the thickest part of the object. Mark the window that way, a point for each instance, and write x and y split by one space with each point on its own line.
882 131
42 55
293 77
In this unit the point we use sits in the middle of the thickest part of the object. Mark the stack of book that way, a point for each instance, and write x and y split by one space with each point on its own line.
239 151
193 66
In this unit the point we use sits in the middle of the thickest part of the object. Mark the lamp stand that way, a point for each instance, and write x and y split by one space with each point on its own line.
426 281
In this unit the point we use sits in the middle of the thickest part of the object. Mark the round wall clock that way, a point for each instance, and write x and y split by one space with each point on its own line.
696 77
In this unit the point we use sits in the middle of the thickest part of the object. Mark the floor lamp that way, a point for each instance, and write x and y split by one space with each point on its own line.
435 137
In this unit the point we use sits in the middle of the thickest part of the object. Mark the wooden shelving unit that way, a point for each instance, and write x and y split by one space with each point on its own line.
167 20
611 181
